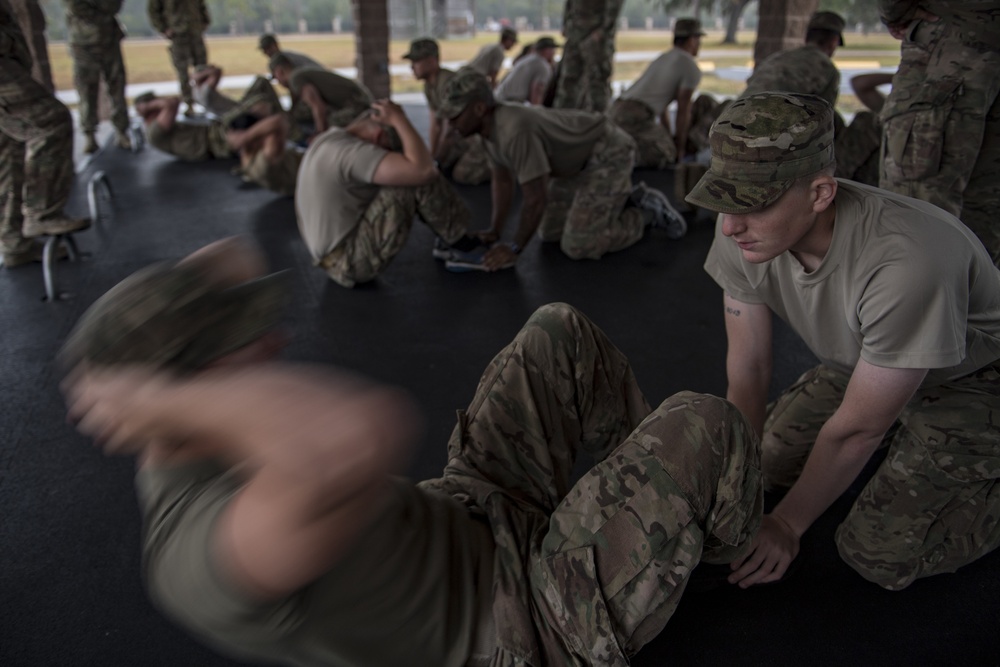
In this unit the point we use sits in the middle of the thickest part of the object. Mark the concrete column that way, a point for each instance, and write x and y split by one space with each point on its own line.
782 25
32 21
371 31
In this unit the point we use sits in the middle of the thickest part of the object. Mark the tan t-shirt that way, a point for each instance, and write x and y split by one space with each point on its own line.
489 60
904 285
334 188
535 141
663 79
516 86
805 70
412 590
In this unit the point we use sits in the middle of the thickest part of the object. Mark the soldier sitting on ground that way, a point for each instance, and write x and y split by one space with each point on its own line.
276 527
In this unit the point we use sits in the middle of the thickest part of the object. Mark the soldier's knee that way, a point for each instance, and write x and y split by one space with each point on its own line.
883 564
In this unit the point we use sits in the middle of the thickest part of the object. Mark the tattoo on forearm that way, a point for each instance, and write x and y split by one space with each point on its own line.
735 312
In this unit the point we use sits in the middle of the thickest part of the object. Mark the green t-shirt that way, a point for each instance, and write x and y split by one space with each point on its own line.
337 91
535 141
903 285
411 591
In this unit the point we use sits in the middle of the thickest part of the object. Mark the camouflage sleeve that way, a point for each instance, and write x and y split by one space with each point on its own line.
12 42
897 11
205 17
157 17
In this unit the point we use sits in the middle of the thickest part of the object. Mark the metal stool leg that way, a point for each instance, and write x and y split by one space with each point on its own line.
48 260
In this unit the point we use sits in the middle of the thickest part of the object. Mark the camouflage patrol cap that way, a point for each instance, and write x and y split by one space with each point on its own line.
267 40
467 86
422 48
831 21
760 145
546 42
173 316
147 96
688 28
279 59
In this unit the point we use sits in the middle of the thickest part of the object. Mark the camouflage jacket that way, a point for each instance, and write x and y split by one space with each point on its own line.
12 43
91 22
977 20
178 16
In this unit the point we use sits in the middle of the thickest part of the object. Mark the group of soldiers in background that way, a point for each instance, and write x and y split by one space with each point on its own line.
957 174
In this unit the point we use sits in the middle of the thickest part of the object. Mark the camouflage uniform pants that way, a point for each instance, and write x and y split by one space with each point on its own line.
467 159
587 213
187 49
942 128
587 573
90 63
586 64
385 226
934 503
655 146
857 148
36 154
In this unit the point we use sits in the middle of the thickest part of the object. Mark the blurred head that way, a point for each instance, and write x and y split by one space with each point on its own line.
424 56
468 99
268 43
181 316
826 31
546 47
688 34
281 68
141 102
508 38
365 127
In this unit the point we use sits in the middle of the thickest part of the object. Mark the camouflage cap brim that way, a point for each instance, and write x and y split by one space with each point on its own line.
173 316
726 195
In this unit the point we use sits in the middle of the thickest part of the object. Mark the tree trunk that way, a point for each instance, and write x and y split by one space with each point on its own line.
736 8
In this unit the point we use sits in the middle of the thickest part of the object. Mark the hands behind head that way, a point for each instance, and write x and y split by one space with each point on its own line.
105 404
387 112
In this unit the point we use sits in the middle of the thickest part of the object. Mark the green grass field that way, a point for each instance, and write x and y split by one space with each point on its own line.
146 60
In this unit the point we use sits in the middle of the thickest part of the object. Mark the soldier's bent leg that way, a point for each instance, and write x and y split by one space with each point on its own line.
981 201
440 207
934 503
794 421
114 76
559 201
32 115
683 487
598 221
559 388
379 236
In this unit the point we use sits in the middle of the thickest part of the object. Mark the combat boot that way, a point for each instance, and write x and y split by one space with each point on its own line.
34 253
124 141
90 146
61 224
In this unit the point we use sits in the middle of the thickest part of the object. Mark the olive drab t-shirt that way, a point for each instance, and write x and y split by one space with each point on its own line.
334 188
489 59
414 589
535 141
903 285
337 91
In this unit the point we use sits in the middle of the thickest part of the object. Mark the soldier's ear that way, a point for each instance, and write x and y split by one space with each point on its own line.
824 191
